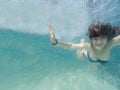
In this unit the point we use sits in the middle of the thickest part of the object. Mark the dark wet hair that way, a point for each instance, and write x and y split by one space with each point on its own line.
96 30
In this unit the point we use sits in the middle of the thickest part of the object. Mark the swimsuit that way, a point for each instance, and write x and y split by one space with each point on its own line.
94 61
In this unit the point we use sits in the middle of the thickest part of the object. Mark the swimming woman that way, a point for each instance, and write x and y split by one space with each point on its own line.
103 37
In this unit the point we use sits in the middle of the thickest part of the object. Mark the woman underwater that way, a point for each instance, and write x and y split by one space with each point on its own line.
103 37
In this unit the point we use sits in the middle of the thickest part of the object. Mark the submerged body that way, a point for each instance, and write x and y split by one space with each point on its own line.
98 49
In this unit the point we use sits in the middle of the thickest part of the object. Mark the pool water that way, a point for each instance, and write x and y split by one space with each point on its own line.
28 61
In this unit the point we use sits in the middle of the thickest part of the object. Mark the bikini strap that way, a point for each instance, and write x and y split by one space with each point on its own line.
91 60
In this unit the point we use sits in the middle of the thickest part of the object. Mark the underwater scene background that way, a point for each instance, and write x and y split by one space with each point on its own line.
28 61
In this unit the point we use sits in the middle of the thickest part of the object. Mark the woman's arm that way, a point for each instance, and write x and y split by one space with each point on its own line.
66 45
116 40
72 46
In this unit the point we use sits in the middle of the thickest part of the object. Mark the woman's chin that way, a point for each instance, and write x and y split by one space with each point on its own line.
99 47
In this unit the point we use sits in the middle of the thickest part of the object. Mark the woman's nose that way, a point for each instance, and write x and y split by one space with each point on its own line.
98 41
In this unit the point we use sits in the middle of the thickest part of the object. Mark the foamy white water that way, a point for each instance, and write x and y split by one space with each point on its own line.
69 18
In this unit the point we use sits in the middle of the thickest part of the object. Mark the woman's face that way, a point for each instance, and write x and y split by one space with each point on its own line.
99 42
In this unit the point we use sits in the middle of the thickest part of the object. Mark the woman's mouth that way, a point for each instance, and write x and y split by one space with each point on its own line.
100 45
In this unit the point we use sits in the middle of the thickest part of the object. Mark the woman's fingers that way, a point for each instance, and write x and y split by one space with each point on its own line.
51 34
50 28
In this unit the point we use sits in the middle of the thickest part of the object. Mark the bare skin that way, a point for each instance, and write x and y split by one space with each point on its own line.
98 48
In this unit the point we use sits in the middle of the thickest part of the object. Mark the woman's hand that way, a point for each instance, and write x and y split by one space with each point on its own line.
52 35
82 54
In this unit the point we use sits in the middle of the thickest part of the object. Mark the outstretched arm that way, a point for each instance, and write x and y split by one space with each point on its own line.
116 40
71 46
66 45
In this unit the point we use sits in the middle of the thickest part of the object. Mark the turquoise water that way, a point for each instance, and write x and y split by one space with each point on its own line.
29 62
